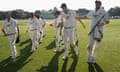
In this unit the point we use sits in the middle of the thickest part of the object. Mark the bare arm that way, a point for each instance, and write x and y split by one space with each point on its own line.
18 30
27 28
78 18
4 32
61 27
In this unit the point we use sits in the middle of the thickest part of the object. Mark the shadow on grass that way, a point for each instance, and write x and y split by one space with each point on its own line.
74 64
72 67
9 65
94 68
64 67
51 45
52 66
24 42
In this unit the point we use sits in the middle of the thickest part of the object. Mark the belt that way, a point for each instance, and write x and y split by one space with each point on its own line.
11 34
68 27
33 29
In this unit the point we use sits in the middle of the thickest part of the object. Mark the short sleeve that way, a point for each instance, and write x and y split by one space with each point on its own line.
74 13
89 15
16 22
107 17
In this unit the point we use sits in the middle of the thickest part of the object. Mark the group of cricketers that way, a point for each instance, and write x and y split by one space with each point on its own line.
36 25
66 30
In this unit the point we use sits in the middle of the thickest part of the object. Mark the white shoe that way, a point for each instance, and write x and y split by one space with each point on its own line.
93 60
76 53
65 57
36 46
13 57
32 50
57 51
89 60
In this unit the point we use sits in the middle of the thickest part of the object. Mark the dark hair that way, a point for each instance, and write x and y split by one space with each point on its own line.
98 2
7 12
57 12
63 5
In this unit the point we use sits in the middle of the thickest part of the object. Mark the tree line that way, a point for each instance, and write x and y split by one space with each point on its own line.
21 14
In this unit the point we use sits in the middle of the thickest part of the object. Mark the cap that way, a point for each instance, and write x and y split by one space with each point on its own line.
63 5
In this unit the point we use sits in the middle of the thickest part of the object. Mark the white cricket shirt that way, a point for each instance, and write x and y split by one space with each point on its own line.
69 18
10 26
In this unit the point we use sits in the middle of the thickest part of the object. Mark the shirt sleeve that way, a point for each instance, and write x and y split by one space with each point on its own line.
107 17
75 14
15 23
89 15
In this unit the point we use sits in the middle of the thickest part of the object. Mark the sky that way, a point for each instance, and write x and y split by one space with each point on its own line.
32 5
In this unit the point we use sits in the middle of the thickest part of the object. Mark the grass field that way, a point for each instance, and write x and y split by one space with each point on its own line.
45 60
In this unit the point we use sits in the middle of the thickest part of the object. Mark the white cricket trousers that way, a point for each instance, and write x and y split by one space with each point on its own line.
68 35
93 46
12 39
33 36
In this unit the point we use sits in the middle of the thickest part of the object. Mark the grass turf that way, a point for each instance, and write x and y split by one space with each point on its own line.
45 60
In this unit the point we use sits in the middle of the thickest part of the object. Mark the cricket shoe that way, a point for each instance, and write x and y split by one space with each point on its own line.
76 53
93 60
13 57
57 51
89 60
65 57
32 50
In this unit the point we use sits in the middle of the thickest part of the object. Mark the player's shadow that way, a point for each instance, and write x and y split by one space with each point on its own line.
9 65
64 67
24 42
94 67
51 45
52 66
74 64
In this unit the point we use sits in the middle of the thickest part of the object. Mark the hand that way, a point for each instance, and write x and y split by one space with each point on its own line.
5 34
89 33
101 24
26 31
107 22
84 26
51 25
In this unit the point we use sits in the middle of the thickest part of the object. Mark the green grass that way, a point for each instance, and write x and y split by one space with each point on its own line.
45 60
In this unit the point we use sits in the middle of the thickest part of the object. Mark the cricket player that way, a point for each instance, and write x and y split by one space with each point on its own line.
69 18
43 26
99 18
40 35
32 28
58 37
9 29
